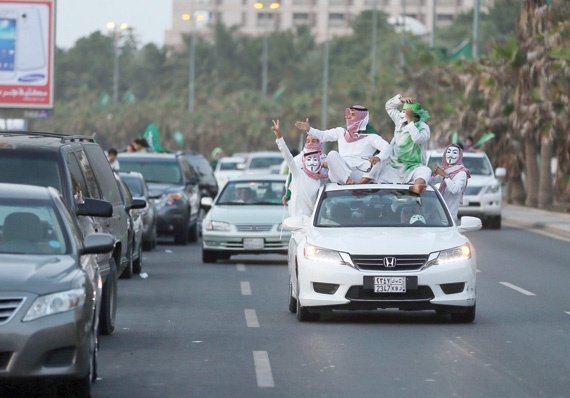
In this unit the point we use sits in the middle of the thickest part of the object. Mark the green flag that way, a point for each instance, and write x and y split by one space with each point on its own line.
153 138
178 137
462 51
455 138
278 96
104 99
484 138
129 97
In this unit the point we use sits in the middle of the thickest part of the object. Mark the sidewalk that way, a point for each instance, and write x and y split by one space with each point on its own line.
537 219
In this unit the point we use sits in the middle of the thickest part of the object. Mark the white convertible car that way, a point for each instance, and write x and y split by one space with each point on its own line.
377 246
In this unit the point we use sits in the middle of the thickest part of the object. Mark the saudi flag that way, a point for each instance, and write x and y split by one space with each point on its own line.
152 137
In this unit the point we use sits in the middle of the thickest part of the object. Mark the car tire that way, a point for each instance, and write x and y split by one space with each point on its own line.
209 256
303 313
181 235
292 300
108 313
464 317
128 271
137 264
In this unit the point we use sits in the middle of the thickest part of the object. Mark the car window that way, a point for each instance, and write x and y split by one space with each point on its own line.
89 174
102 173
135 185
381 208
31 228
476 165
201 164
78 183
22 168
166 172
252 193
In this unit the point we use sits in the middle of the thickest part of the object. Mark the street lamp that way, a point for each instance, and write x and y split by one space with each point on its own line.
116 31
259 5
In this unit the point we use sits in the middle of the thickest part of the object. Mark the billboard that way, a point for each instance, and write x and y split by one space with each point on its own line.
27 39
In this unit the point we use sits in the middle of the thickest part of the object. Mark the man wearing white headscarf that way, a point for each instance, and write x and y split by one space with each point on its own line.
357 144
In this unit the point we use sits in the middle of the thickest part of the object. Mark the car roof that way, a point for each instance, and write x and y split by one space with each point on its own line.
19 191
40 140
259 177
147 156
337 187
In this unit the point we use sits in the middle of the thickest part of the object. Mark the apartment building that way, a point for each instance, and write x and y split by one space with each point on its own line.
327 18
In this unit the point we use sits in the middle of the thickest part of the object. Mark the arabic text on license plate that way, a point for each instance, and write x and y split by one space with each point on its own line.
389 284
252 243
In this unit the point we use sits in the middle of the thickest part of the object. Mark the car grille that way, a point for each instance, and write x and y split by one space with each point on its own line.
358 293
389 263
254 227
472 190
8 307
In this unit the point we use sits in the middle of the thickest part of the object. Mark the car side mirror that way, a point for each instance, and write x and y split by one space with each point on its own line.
207 201
469 223
137 204
240 166
500 172
94 208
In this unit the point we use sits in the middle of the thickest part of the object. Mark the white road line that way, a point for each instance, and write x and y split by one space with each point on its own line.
240 267
263 369
567 312
251 319
518 289
245 288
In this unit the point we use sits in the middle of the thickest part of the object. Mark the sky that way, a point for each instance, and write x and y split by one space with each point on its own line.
79 18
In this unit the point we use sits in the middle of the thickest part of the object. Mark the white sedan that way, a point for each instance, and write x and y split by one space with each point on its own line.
378 246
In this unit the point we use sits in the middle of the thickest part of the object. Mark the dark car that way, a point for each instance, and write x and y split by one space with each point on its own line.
208 182
77 167
50 293
170 176
139 190
132 207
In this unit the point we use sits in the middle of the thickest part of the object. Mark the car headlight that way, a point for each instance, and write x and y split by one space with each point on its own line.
216 225
448 256
493 188
55 303
316 253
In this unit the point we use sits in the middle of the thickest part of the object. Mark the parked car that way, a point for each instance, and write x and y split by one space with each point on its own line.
227 167
50 294
245 218
133 209
170 178
208 183
77 167
139 190
376 246
483 196
262 162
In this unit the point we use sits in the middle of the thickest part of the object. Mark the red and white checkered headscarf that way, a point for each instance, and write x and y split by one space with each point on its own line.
358 124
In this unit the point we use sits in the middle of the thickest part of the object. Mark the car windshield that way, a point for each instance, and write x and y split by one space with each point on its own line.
477 165
161 172
30 229
381 208
32 170
264 162
252 193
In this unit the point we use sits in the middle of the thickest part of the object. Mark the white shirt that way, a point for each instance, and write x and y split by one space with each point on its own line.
303 188
453 192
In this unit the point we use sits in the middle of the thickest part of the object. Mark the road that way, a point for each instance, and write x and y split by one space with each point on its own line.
223 330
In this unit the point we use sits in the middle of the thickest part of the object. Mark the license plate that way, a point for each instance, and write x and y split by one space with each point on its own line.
389 284
252 243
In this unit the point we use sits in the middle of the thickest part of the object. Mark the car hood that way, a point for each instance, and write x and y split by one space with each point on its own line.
37 274
480 180
248 214
386 240
163 188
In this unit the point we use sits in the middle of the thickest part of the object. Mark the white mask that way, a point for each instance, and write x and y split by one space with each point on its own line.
452 155
312 162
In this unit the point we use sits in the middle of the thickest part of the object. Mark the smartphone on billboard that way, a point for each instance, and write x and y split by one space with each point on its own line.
8 38
31 51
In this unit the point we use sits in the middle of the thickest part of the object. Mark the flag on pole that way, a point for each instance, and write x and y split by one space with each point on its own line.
178 137
104 99
152 137
484 138
462 51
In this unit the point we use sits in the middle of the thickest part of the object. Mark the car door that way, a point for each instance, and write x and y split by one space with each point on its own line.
192 189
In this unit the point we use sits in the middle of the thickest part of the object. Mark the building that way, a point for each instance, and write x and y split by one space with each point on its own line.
326 17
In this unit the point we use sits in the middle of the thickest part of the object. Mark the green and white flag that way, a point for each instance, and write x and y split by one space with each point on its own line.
152 137
178 137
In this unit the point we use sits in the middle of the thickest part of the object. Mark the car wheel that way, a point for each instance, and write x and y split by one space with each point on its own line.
303 313
292 300
209 256
181 236
128 271
109 301
464 317
137 264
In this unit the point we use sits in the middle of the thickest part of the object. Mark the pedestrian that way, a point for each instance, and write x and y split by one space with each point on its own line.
469 145
359 145
453 176
407 148
113 161
306 180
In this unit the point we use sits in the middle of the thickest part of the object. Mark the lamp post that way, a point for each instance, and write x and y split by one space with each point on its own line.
116 32
192 60
259 5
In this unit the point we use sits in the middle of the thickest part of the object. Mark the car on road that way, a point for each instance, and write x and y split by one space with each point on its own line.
245 218
50 289
483 197
262 162
227 167
172 181
377 246
79 169
208 183
139 190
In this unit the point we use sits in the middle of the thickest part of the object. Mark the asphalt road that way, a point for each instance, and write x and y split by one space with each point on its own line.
223 330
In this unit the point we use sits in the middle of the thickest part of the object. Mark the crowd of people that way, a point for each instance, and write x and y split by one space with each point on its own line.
363 156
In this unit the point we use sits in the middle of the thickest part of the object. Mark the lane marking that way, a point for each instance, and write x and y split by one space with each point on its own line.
240 267
263 369
518 289
245 288
251 319
567 312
